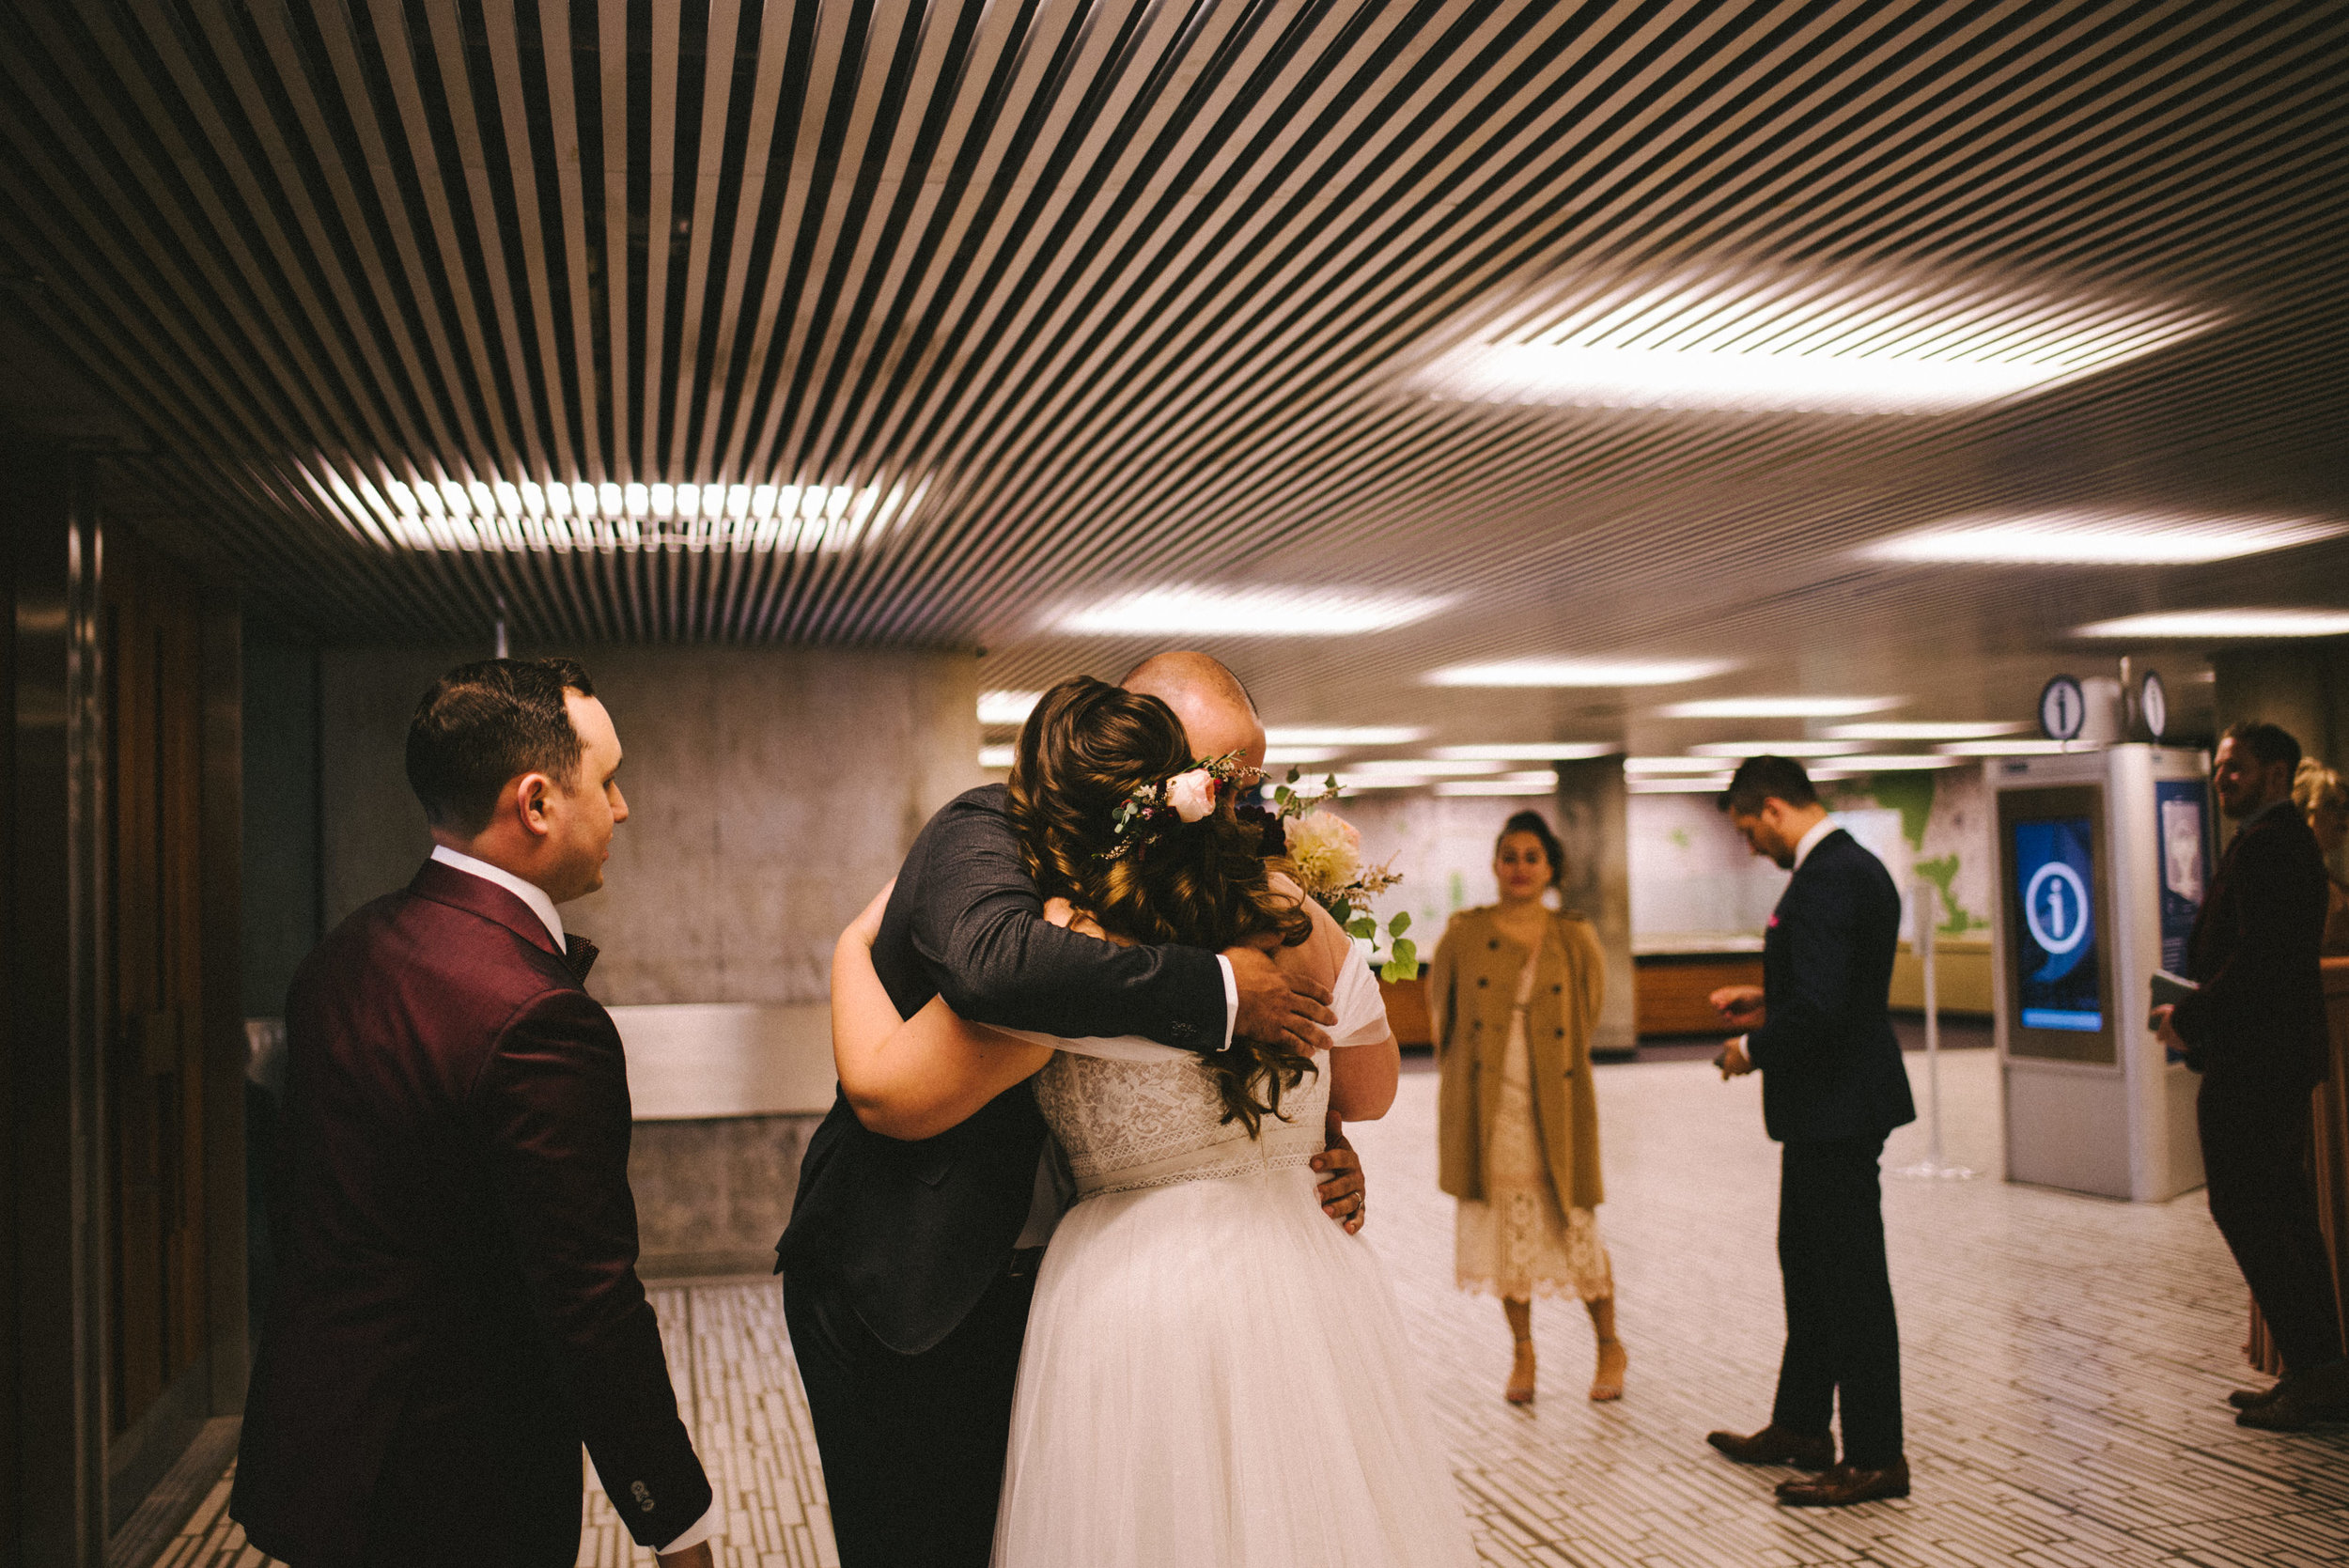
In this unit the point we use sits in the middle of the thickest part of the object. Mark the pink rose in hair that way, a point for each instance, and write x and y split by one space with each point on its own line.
1191 794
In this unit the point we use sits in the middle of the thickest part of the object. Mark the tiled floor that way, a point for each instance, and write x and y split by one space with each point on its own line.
2066 1359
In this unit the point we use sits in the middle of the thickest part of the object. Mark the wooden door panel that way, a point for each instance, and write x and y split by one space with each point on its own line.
154 1103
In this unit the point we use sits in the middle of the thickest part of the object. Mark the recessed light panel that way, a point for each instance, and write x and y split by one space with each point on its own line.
1344 735
1779 708
1853 766
1536 751
1924 729
1513 784
499 513
1776 748
1710 784
1580 672
2101 538
1672 764
996 756
1007 708
1427 767
2223 624
1251 613
1819 345
1297 756
2015 745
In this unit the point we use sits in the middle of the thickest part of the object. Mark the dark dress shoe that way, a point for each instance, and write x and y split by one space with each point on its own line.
1775 1445
2301 1400
1843 1485
2243 1398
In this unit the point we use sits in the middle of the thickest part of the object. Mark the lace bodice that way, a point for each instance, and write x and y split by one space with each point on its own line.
1127 1124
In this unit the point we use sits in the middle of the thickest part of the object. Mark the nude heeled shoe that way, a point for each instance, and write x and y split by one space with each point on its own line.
1520 1388
1606 1383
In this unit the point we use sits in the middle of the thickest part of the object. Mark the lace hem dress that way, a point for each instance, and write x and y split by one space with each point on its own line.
1518 1242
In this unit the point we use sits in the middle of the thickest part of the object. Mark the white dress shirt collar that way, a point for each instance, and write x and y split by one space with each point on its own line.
1810 841
529 892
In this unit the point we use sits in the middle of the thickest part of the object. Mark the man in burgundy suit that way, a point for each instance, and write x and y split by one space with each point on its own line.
2255 1030
457 1307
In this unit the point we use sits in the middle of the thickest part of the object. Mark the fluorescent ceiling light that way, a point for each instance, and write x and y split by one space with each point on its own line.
2101 538
1922 729
1846 344
1711 785
1856 767
1672 764
2223 624
1382 781
1536 751
1275 757
1425 767
1498 786
1580 672
996 756
1007 708
1344 735
1251 611
495 512
1779 708
2016 747
1776 748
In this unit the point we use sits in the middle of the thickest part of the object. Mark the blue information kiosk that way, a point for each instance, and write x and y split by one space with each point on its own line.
2103 856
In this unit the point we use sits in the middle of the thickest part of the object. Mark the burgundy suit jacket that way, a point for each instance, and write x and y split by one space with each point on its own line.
457 1306
2259 1018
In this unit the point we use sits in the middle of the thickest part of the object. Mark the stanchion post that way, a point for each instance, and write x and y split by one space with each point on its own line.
1926 898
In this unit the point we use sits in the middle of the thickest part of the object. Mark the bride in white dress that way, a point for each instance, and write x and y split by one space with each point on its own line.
1214 1374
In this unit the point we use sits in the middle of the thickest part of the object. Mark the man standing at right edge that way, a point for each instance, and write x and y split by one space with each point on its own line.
1832 1087
2255 1030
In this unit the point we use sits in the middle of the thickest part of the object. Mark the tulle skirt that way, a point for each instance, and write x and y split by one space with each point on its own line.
1216 1375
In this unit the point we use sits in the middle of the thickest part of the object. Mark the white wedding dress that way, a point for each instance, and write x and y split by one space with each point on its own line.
1215 1375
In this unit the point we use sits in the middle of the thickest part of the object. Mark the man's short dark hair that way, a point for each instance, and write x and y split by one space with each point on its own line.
1767 778
2268 744
485 723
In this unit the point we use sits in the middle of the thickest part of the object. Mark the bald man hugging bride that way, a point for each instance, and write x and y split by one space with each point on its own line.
1091 1012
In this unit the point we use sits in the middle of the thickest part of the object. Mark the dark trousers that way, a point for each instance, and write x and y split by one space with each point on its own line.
2255 1144
1841 1335
912 1446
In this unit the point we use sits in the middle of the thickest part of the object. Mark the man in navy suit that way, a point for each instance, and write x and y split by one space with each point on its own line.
457 1306
2255 1030
1832 1087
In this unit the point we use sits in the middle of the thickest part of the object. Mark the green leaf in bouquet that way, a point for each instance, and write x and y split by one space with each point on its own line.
1396 970
1407 953
1363 927
1399 924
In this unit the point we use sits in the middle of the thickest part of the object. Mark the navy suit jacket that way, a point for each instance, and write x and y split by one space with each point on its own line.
457 1306
2257 951
913 1234
1830 1061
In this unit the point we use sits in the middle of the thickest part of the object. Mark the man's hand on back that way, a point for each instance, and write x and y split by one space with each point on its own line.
1276 1008
698 1556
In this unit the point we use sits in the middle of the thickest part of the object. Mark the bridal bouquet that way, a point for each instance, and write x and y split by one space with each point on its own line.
1327 850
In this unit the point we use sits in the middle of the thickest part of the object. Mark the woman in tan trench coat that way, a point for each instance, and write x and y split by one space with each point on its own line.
1513 995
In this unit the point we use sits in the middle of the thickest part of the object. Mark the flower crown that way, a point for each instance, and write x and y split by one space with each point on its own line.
1169 803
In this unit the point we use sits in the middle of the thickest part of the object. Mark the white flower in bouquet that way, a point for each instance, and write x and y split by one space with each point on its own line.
1327 849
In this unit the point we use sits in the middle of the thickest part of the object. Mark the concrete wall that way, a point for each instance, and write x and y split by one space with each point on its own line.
771 792
281 891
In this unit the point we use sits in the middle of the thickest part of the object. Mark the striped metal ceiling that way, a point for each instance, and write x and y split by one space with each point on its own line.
891 322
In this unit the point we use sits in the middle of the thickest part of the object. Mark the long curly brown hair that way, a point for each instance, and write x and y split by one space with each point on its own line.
1086 748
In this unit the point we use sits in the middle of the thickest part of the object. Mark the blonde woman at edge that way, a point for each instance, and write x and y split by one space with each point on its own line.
1513 993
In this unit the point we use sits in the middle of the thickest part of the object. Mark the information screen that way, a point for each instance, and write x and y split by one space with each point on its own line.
2184 808
2055 937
